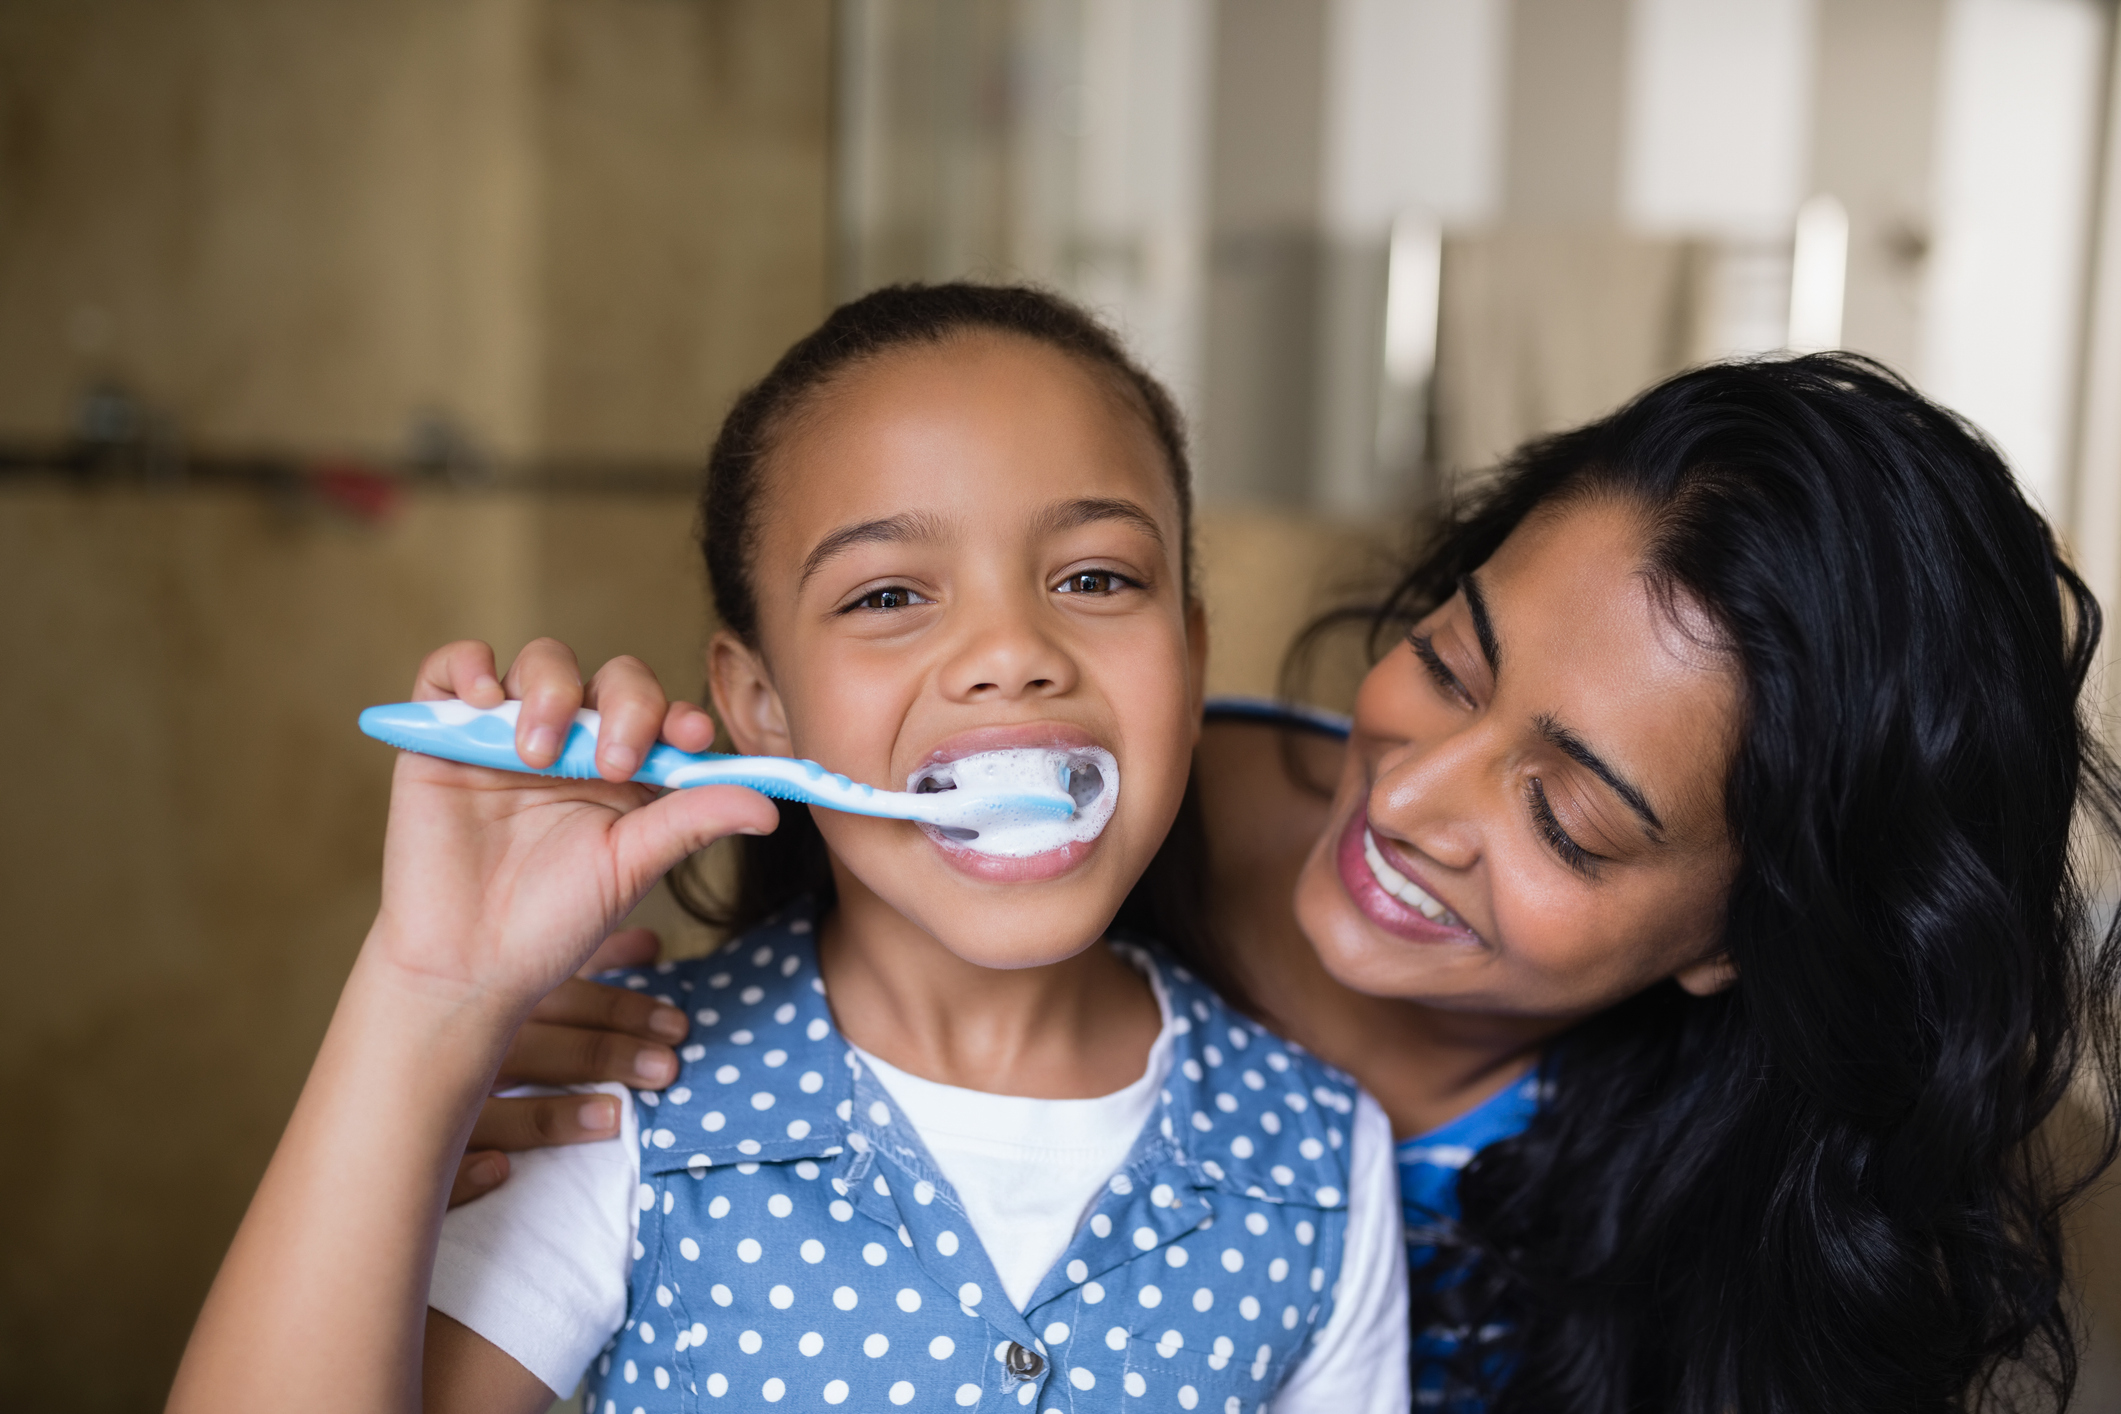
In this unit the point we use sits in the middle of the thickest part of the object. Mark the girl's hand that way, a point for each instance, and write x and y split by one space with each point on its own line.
498 885
581 1034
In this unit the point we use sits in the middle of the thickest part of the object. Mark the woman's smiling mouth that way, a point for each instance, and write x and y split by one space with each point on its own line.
1399 886
1386 896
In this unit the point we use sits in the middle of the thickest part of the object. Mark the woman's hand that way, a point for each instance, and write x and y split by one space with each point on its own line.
581 1034
498 885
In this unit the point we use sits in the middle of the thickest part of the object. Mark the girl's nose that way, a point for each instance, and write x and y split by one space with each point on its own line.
1006 656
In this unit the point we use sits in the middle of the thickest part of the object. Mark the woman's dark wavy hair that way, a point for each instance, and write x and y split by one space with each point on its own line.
1827 1188
1168 904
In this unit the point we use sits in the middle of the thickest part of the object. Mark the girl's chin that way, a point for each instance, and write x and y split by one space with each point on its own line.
1378 908
1001 869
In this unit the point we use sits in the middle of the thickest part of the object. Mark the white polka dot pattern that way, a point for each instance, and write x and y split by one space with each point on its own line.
769 1272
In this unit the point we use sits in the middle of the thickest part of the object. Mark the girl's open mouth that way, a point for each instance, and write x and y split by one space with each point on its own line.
1031 848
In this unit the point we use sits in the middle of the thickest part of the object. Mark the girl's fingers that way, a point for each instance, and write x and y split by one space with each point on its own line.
647 843
631 702
462 669
543 1121
688 728
477 1175
629 947
546 1053
548 680
601 1008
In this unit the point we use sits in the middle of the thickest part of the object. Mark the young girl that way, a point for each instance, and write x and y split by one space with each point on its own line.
1006 1164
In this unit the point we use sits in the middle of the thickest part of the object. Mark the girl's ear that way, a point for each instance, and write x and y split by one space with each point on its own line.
745 698
1709 976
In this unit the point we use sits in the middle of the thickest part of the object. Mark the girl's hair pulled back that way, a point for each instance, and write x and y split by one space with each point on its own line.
893 318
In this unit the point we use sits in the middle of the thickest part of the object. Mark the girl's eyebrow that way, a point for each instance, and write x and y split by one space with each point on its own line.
1087 510
898 529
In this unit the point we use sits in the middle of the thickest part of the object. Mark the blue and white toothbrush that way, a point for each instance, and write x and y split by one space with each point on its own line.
485 736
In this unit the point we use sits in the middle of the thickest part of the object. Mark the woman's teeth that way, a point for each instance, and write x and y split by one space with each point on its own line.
1399 886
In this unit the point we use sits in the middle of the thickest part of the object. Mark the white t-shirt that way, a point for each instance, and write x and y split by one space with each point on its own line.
539 1267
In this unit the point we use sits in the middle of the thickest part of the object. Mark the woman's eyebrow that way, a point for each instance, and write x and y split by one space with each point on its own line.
1483 626
906 526
1087 510
1575 748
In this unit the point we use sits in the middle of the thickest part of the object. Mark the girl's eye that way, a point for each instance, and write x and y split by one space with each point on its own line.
892 596
1439 672
1543 819
1093 582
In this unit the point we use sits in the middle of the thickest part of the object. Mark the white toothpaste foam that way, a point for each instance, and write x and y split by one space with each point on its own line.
1093 780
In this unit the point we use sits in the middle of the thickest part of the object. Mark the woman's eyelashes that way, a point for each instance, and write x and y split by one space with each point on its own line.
1549 826
1439 672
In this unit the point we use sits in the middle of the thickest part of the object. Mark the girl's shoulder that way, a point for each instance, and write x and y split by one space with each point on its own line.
762 1076
1254 1112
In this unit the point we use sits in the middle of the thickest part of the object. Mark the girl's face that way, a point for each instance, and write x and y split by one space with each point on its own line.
963 548
1530 821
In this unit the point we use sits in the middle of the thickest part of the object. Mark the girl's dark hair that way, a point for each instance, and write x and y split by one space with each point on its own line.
1824 1189
1168 903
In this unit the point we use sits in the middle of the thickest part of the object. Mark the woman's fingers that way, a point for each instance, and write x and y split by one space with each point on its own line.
630 700
576 1002
477 1175
543 1121
547 678
462 669
629 947
554 1053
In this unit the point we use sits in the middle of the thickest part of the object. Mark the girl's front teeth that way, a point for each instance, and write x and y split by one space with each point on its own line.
1399 886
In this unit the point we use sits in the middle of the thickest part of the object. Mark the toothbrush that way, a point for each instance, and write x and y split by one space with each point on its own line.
485 736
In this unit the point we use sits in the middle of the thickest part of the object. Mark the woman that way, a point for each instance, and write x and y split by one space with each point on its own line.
1696 896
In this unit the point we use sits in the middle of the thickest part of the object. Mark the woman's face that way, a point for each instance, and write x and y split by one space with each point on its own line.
1530 821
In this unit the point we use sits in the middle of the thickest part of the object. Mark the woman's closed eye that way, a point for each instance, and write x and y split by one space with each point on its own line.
1549 826
1439 671
887 597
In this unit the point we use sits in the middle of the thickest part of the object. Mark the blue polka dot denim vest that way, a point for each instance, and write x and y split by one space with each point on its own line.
799 1247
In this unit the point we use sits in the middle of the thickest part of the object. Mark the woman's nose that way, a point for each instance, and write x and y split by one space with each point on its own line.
1431 796
1006 655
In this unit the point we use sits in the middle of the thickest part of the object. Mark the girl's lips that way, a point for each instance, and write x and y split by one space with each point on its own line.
999 869
1379 904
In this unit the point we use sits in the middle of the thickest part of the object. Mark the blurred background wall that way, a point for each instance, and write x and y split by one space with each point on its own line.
334 329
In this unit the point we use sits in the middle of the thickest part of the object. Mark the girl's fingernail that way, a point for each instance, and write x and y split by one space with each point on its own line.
544 741
485 683
598 1115
485 1172
622 758
667 1022
656 1066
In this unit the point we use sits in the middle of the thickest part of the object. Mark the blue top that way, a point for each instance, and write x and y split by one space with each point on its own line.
1429 1165
798 1243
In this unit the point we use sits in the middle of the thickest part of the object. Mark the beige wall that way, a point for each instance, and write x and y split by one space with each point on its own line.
570 226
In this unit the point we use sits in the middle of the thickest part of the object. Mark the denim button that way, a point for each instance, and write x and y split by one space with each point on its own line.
1023 1364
